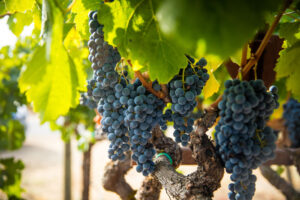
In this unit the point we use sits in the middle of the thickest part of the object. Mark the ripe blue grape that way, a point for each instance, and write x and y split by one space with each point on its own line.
242 138
183 89
291 115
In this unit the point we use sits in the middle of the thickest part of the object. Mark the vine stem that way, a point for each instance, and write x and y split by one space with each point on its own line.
214 105
146 84
69 8
6 14
244 55
254 58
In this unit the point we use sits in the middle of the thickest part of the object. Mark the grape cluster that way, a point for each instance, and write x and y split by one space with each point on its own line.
129 111
101 89
183 90
291 115
87 101
143 112
242 137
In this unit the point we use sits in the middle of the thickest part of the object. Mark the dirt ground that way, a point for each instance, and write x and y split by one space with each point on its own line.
43 176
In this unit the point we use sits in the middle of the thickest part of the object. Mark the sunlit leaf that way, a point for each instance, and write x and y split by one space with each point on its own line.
17 22
82 8
288 66
132 27
52 79
17 6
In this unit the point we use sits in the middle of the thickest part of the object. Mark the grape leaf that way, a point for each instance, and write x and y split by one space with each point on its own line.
288 31
52 79
12 135
82 8
36 17
132 27
17 21
2 7
10 177
221 27
212 86
288 66
17 6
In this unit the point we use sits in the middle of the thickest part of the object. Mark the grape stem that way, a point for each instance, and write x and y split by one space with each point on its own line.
214 105
69 8
284 187
255 57
6 14
244 55
146 84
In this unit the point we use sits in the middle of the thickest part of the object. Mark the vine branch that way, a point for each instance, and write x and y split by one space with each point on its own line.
69 8
114 178
6 14
147 85
150 189
244 55
254 58
200 184
279 183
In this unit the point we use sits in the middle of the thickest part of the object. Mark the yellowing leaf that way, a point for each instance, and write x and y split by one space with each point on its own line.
212 85
214 62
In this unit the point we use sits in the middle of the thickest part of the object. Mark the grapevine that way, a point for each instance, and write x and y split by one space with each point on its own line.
131 110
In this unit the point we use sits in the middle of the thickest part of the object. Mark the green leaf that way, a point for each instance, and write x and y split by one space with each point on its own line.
17 6
67 28
221 27
82 8
51 79
35 70
279 170
10 177
58 89
12 135
288 66
132 27
288 31
2 7
17 21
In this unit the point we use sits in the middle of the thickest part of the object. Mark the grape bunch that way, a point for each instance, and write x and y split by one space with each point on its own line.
183 90
242 138
291 115
143 112
101 89
129 111
87 101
